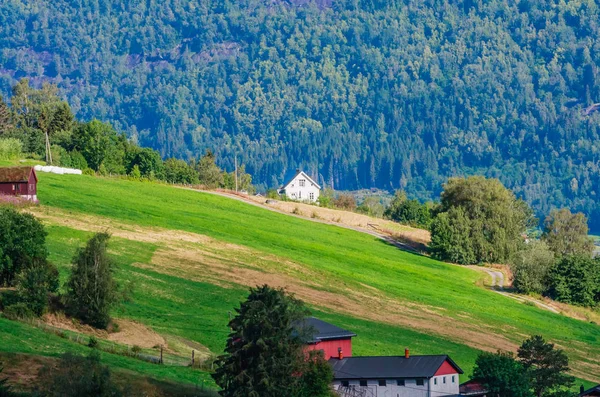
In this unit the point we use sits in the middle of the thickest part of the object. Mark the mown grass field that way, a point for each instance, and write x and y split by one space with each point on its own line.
192 256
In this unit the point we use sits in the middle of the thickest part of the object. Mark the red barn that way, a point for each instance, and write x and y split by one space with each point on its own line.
19 181
334 341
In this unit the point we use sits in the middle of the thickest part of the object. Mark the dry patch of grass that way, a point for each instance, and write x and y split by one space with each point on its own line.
130 332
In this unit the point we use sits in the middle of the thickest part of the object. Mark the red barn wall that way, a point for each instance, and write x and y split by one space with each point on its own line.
7 188
330 347
446 369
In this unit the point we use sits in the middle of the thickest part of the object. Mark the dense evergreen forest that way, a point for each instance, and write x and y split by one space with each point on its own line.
396 94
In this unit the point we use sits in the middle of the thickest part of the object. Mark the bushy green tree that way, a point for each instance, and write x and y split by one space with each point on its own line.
209 174
178 171
93 141
494 219
531 267
316 377
371 206
22 241
35 283
411 212
91 290
6 117
501 374
451 237
264 352
576 280
545 366
567 233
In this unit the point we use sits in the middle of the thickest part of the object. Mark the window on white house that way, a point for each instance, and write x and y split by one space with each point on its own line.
311 196
382 382
301 182
363 383
299 195
401 382
420 382
435 381
444 380
452 378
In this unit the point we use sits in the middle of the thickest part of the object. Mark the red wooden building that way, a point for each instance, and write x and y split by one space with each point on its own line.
334 341
19 181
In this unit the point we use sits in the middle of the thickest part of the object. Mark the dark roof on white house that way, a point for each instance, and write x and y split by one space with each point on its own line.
298 172
320 330
594 391
389 367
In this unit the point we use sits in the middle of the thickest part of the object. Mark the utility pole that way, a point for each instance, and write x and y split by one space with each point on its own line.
236 175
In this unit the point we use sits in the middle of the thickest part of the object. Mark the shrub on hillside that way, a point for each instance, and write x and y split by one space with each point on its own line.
18 311
345 202
77 376
4 387
371 206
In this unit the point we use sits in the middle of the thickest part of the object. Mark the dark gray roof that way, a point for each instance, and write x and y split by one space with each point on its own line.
395 367
291 177
594 391
325 331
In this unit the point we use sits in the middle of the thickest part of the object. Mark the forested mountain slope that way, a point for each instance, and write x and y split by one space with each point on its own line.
362 93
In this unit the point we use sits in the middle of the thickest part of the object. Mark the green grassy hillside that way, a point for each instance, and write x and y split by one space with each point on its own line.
192 256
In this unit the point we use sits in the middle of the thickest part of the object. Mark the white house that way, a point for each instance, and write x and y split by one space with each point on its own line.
301 187
398 376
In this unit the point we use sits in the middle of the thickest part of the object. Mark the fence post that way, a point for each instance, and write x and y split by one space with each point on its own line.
161 354
192 357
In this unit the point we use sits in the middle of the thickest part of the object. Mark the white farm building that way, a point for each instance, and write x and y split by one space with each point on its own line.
301 187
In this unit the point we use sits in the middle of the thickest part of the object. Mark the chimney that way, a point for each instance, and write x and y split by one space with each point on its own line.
406 353
340 353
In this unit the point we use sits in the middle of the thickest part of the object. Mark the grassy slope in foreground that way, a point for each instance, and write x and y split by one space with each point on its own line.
340 256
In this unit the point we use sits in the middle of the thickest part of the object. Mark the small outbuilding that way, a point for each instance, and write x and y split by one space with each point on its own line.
19 181
332 340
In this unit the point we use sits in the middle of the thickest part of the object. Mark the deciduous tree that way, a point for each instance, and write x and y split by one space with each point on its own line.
567 233
501 374
91 290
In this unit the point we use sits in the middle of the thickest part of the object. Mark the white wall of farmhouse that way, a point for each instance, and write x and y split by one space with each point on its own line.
433 387
301 188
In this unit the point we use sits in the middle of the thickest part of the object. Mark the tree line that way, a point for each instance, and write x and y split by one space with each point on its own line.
37 122
397 94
